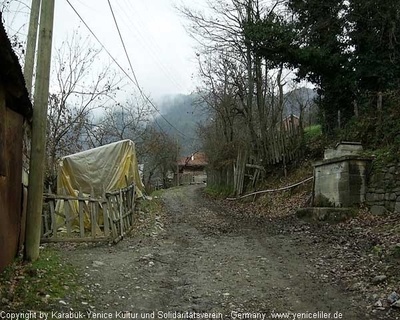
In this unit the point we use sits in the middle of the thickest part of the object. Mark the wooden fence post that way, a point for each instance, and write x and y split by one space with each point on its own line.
52 203
81 218
121 213
68 219
105 217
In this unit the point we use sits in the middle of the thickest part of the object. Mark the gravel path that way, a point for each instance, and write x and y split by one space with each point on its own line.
204 260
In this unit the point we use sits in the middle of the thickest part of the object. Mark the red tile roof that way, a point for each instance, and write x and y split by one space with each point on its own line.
199 160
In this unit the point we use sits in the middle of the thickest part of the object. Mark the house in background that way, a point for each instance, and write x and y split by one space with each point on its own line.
15 108
291 122
192 169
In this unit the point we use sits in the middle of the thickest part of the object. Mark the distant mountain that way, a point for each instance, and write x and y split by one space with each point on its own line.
296 98
184 112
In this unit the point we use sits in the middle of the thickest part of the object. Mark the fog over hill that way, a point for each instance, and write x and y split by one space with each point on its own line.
185 112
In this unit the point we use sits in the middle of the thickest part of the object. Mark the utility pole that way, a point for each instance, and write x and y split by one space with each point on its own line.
36 166
31 45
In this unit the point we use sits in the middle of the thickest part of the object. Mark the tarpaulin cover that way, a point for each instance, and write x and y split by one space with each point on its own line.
99 170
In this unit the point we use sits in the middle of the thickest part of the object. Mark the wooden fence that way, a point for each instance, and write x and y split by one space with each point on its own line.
81 218
284 144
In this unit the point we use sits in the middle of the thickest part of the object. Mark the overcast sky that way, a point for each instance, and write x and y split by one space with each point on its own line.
161 52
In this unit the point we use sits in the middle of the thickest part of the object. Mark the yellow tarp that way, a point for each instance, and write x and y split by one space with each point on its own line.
99 170
95 172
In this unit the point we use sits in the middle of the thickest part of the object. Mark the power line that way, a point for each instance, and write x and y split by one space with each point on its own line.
90 30
135 81
147 45
134 75
141 38
150 44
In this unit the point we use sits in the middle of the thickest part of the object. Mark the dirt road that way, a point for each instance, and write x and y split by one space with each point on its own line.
205 260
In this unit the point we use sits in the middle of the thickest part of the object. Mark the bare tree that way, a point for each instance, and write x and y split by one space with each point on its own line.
15 14
159 154
244 90
121 121
80 87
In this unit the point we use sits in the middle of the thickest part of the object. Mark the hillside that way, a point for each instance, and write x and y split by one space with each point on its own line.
298 98
186 112
183 112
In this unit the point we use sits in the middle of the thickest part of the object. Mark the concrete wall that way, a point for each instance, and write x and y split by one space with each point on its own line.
383 191
340 182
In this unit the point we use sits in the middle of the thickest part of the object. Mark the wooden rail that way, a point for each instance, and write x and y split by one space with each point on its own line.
84 218
272 190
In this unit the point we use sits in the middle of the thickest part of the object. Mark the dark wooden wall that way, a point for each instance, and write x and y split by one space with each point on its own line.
10 182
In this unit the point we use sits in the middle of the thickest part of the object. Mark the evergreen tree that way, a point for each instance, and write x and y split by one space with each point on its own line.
375 37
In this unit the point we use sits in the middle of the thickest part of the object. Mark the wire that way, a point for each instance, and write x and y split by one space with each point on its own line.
134 75
90 30
149 43
135 81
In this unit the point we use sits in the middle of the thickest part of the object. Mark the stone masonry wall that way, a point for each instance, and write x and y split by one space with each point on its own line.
383 189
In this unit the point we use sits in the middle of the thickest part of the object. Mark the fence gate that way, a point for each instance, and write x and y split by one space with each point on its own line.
82 218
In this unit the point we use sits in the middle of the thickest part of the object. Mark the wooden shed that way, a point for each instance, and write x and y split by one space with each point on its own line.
15 108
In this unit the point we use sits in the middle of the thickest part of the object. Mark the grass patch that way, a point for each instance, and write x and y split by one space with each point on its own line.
158 193
152 206
314 142
39 285
382 157
312 133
